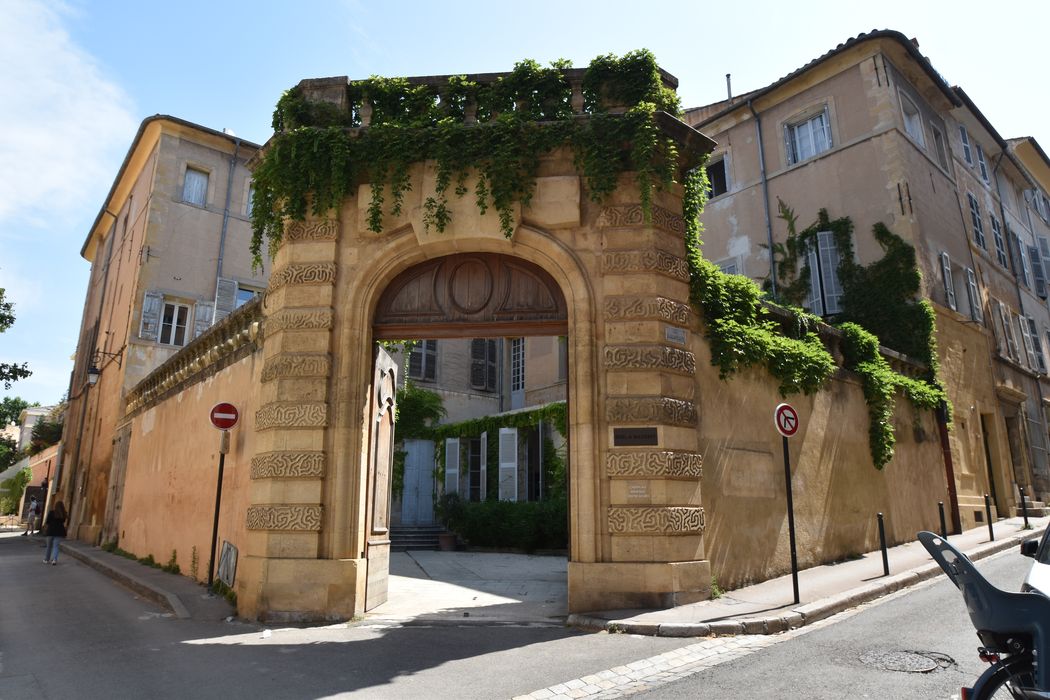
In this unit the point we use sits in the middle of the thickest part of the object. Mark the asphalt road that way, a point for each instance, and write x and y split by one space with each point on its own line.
66 631
839 660
69 632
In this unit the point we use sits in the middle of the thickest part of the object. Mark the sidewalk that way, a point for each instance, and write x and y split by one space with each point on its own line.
182 596
500 585
767 607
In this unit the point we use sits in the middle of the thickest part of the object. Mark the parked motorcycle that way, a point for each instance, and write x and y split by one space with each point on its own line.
1014 629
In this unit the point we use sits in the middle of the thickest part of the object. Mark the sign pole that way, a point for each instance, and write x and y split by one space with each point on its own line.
791 519
224 445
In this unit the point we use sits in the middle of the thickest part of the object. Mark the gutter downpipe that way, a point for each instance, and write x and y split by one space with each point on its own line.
1020 300
765 198
226 211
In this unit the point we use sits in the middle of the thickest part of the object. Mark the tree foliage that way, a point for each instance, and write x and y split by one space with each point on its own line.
9 371
48 430
11 407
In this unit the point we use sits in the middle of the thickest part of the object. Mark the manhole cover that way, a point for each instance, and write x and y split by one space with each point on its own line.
907 661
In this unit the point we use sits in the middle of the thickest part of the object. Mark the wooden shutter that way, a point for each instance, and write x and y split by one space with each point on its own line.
976 312
478 363
949 283
815 302
484 465
491 364
1026 338
152 305
202 317
829 261
225 298
1037 344
1037 271
508 464
452 465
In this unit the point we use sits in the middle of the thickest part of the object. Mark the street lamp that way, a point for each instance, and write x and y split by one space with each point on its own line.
93 372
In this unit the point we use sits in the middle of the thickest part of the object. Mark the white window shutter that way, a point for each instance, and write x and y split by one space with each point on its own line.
814 303
829 265
152 304
508 464
1026 338
976 312
949 283
202 317
1038 272
484 465
452 465
1037 344
225 298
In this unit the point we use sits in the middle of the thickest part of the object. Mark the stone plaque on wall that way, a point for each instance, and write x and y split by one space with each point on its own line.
635 437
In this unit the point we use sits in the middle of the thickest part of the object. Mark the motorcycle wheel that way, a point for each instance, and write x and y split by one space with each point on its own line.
1000 681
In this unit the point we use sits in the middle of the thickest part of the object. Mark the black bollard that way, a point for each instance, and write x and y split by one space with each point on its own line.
1024 508
882 544
944 527
988 515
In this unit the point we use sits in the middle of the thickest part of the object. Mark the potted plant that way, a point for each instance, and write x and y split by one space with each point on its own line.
449 510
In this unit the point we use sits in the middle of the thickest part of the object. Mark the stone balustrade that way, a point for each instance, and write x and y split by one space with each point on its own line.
224 343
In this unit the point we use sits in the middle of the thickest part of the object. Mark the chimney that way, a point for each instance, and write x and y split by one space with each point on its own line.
729 87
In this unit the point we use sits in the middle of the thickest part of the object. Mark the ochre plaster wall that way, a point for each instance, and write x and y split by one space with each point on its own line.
837 490
169 488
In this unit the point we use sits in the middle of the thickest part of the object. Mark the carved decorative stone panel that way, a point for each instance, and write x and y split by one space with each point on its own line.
293 365
306 518
648 520
651 409
633 215
318 230
302 273
288 465
298 320
644 357
656 464
631 307
626 262
292 415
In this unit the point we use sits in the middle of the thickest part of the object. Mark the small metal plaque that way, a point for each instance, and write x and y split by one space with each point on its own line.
673 334
638 491
634 437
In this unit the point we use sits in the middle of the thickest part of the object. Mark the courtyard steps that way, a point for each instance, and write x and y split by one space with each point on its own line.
1036 509
414 538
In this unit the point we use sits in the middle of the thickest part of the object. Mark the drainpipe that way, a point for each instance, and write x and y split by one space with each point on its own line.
226 210
765 197
1020 297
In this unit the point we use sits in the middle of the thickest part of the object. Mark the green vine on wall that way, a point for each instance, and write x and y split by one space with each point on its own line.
321 153
880 296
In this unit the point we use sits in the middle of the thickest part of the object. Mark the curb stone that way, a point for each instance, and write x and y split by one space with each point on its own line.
802 615
146 590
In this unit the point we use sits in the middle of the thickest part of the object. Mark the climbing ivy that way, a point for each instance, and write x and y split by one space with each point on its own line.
738 324
320 153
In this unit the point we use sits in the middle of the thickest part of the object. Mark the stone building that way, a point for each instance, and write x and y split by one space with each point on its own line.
871 131
169 258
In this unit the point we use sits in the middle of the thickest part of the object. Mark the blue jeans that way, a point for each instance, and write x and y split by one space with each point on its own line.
51 550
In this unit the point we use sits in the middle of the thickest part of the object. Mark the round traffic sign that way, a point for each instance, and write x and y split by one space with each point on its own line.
786 420
224 416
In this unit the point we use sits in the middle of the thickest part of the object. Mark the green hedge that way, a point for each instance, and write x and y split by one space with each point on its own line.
528 526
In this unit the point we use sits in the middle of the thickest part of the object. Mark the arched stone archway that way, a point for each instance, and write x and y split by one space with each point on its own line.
637 519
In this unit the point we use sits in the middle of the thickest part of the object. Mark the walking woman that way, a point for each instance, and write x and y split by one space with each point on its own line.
55 530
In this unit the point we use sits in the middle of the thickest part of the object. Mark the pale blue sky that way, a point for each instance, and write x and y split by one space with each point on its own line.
79 76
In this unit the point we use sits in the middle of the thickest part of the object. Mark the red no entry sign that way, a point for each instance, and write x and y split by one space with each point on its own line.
786 420
224 416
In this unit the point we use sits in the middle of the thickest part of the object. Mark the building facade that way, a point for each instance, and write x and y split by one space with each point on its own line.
871 131
169 258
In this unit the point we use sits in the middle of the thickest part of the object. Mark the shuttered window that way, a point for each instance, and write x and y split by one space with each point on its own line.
195 187
808 138
981 164
973 295
1026 338
483 364
1037 345
1000 246
508 464
975 217
967 154
225 298
825 290
452 465
1038 273
202 316
422 363
949 283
